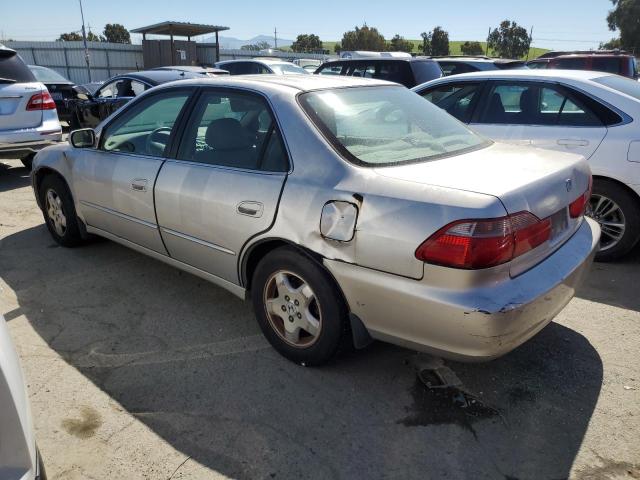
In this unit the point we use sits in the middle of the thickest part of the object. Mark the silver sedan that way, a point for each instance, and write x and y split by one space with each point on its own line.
346 209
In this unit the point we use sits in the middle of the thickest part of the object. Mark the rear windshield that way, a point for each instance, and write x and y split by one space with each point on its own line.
46 75
13 68
622 84
288 69
377 126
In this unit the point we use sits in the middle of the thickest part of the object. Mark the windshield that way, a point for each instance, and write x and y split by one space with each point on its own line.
287 69
46 75
622 84
387 125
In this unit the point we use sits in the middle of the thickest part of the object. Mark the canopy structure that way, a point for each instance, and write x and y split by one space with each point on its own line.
180 29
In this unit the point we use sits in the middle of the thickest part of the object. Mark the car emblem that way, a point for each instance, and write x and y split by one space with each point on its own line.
291 309
568 184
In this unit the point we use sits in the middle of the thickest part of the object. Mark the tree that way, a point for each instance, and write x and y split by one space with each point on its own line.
471 48
439 41
612 44
509 40
92 37
362 38
399 44
116 33
69 37
256 46
307 44
625 17
435 42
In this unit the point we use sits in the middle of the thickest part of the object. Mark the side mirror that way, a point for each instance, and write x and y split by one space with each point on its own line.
83 138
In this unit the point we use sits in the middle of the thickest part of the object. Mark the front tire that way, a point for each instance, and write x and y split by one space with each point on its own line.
299 308
59 211
618 214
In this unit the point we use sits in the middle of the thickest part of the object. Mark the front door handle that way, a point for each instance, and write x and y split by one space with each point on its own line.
252 209
139 184
573 142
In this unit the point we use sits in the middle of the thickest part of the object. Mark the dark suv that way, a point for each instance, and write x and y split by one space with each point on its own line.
405 71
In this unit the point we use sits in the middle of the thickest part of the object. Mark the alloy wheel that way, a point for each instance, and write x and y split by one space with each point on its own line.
611 219
55 212
292 309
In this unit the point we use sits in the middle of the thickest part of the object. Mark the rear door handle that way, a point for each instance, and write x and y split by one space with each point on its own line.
572 142
139 184
252 209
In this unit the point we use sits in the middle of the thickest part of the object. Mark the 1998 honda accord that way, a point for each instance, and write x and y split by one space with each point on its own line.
347 209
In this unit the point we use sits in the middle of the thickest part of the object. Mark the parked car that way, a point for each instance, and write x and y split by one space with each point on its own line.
309 64
456 64
260 66
60 88
345 208
89 110
407 71
206 71
28 118
589 113
19 456
611 61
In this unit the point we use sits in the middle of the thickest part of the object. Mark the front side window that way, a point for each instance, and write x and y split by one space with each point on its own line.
110 90
235 130
456 99
379 126
146 127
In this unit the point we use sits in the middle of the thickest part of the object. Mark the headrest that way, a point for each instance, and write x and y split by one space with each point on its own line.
528 101
227 134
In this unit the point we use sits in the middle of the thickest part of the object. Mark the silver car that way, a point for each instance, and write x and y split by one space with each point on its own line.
347 210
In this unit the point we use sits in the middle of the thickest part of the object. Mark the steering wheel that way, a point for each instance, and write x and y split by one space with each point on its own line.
157 141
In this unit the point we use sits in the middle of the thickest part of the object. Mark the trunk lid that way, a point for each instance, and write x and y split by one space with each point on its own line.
542 182
13 105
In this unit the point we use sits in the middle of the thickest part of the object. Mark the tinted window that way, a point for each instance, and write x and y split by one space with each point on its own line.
569 63
456 99
235 130
330 69
398 72
530 104
13 68
607 64
386 125
362 69
145 128
455 68
426 70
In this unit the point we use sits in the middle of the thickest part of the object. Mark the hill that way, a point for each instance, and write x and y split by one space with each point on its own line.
454 47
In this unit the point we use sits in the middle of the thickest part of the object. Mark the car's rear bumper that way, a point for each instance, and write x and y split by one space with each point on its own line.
21 142
474 323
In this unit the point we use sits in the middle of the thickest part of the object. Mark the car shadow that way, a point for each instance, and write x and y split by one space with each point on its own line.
614 283
188 360
13 175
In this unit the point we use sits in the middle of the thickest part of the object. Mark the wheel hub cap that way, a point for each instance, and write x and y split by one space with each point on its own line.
55 212
611 219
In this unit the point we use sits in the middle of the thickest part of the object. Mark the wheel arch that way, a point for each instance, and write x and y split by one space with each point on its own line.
619 184
40 174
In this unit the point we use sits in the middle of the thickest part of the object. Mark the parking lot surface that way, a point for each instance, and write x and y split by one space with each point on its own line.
137 370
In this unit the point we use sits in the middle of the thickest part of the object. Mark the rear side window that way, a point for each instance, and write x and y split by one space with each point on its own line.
398 72
426 70
569 63
235 130
13 68
458 99
607 64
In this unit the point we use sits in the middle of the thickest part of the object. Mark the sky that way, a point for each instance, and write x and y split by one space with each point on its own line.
557 24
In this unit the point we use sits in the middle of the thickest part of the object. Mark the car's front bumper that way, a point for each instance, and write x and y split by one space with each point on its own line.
473 323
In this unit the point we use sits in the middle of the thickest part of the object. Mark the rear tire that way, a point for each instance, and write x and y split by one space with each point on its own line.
299 308
59 211
618 213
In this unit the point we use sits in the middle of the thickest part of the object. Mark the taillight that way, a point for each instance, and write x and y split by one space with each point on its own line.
579 205
474 244
41 101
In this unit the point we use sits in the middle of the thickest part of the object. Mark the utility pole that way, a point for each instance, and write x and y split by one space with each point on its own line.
486 50
275 37
530 40
84 39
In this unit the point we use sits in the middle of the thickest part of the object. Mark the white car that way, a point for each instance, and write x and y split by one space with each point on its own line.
28 116
258 66
594 114
19 458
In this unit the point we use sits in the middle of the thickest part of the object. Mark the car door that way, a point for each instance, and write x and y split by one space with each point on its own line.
542 114
459 99
114 182
224 185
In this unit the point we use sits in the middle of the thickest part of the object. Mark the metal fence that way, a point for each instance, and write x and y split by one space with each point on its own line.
109 59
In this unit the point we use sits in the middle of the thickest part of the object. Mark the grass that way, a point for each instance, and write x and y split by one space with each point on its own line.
454 48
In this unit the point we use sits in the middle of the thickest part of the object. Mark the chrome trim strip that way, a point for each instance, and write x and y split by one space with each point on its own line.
118 214
198 241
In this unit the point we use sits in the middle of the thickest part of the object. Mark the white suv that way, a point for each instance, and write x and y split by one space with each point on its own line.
28 116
